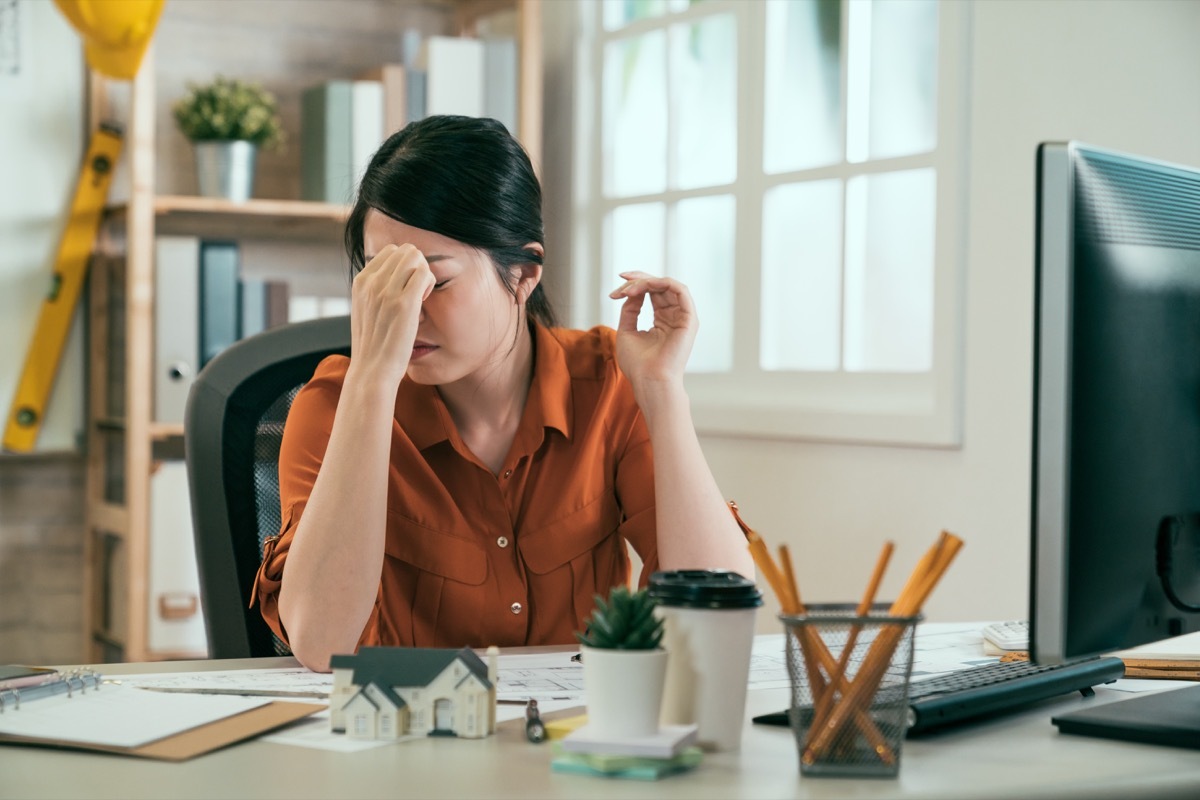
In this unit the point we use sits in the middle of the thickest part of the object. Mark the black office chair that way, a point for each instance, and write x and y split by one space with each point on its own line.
233 427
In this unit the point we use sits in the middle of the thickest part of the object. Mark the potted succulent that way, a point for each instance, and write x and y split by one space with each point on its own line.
227 121
624 665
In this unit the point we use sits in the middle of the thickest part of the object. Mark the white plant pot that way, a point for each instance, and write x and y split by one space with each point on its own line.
624 691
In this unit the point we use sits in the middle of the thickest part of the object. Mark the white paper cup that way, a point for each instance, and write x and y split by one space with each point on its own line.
708 629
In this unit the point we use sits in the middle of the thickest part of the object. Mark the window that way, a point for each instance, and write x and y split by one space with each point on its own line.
797 163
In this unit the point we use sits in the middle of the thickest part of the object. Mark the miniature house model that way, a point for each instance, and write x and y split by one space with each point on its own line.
389 692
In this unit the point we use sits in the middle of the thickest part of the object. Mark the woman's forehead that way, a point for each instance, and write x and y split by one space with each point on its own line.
380 230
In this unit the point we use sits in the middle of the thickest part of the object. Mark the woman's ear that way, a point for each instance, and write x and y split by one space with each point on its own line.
529 274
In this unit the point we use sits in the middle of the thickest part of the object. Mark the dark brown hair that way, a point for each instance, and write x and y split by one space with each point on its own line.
465 178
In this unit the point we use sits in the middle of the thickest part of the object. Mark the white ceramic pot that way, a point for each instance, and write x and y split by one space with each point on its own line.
624 691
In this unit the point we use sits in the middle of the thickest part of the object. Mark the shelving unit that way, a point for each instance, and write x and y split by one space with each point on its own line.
124 442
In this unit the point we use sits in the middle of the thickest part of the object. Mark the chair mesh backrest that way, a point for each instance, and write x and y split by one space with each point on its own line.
234 426
268 437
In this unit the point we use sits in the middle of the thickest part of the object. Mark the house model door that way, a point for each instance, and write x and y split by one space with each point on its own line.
443 715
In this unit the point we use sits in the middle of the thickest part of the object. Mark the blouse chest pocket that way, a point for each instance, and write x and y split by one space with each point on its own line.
548 547
439 553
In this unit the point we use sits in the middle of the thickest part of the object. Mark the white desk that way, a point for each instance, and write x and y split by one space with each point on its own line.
1017 756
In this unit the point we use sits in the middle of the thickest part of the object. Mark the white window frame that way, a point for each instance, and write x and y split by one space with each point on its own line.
919 409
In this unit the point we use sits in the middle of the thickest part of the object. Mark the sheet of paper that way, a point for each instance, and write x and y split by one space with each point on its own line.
120 716
943 647
544 677
283 680
1177 648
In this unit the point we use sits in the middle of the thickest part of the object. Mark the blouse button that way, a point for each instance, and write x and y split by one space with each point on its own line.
502 541
507 472
516 608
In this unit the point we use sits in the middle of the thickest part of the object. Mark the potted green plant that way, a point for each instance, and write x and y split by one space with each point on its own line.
624 665
227 121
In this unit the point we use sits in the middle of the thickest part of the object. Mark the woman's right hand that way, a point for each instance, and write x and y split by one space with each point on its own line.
385 310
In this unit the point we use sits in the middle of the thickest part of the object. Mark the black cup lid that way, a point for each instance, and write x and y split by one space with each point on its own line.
704 588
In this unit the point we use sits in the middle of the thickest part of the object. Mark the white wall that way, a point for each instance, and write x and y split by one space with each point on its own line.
41 146
1116 73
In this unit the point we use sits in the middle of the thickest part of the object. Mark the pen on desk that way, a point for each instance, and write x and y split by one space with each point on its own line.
522 701
319 695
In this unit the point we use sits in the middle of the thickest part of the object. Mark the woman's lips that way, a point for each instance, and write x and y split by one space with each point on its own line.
422 349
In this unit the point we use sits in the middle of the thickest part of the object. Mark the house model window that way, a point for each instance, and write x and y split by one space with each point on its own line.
391 692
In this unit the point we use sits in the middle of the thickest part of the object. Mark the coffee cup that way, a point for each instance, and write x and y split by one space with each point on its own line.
708 630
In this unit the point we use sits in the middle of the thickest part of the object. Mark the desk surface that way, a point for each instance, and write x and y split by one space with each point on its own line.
1019 755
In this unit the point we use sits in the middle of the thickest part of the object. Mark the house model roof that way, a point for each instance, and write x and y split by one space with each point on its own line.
407 666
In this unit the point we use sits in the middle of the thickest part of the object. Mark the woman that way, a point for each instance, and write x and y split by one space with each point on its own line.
471 475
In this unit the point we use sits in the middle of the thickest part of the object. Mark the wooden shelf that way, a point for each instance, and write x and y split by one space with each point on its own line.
166 430
213 218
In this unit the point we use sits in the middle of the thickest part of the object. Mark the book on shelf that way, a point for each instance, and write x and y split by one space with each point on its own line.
80 710
403 94
341 127
264 305
306 307
454 79
500 80
201 306
366 125
219 307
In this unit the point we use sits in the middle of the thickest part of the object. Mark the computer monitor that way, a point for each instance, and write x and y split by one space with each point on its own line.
1116 423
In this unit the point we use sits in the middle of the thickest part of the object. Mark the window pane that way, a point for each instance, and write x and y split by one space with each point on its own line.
634 241
803 111
635 115
704 88
903 83
619 13
801 276
702 257
889 271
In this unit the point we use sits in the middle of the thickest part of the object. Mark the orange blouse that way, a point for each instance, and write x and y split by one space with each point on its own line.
475 558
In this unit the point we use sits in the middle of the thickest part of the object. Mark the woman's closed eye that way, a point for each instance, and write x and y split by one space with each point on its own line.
441 284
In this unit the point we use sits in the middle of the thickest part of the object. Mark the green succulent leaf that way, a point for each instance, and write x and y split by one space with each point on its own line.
623 621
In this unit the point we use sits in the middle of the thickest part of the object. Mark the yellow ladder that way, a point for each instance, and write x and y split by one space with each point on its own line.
70 269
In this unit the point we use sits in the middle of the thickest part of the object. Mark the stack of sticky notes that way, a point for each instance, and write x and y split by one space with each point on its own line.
648 758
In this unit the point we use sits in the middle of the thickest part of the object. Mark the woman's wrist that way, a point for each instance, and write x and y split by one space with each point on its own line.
662 399
369 388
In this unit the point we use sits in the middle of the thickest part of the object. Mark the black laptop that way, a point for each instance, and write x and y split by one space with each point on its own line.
1169 717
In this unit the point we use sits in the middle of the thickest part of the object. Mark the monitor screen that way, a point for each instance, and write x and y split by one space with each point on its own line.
1116 422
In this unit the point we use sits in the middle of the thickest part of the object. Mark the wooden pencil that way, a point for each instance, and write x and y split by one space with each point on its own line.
875 665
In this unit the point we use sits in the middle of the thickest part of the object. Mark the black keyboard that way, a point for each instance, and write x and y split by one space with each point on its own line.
989 689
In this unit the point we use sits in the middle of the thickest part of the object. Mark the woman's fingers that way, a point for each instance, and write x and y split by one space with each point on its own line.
631 309
666 294
396 271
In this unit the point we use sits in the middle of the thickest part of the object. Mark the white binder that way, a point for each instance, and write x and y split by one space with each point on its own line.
176 323
176 623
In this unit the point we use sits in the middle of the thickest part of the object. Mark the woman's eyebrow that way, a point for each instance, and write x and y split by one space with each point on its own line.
428 259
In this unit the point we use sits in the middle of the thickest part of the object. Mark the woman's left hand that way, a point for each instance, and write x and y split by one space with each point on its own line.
661 353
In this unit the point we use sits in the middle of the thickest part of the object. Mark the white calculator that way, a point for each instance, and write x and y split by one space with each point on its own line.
1008 635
